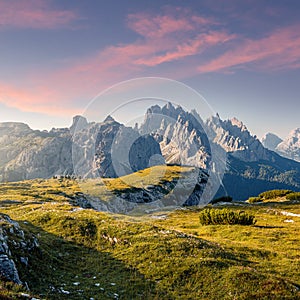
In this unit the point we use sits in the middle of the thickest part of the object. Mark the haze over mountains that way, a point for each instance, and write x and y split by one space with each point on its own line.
168 135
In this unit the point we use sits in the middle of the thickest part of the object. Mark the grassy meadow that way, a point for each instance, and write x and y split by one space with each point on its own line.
85 254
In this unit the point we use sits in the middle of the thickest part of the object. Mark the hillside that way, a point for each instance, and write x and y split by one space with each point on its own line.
85 254
245 179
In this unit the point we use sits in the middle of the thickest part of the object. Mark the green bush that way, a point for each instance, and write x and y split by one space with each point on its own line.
225 217
254 200
293 196
222 199
274 194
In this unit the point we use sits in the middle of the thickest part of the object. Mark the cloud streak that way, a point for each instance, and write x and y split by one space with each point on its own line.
86 78
159 26
189 48
36 14
280 50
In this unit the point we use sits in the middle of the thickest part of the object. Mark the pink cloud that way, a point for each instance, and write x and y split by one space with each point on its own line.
125 61
279 50
181 37
33 14
154 27
34 101
190 47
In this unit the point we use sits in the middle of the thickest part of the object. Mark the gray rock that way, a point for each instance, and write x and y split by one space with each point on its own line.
26 153
234 137
79 123
290 147
24 260
182 138
122 150
8 269
14 248
271 141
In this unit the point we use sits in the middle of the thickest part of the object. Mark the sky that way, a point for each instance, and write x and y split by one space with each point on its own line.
243 57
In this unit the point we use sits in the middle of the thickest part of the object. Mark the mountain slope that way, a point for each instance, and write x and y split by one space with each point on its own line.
251 168
155 188
234 137
245 179
271 141
27 153
290 147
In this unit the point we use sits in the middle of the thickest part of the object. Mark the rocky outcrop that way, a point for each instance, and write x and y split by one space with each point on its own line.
234 137
15 248
41 159
271 141
27 153
182 138
186 190
289 147
122 150
79 123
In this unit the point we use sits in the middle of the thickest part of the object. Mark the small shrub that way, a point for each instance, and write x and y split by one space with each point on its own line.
225 217
222 199
79 227
254 200
274 194
293 196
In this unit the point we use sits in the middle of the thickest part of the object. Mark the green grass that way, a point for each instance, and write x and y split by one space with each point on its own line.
155 176
225 216
255 200
274 194
293 196
93 254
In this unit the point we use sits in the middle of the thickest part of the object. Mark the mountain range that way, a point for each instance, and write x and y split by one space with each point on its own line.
170 135
289 147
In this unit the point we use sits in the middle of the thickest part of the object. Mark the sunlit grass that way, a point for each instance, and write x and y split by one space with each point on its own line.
97 255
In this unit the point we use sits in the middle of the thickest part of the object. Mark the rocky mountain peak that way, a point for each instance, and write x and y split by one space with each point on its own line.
295 133
109 119
168 110
155 109
79 123
14 128
290 147
271 141
180 134
234 137
236 122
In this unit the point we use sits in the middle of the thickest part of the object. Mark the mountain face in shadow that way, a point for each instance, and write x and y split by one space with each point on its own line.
251 168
